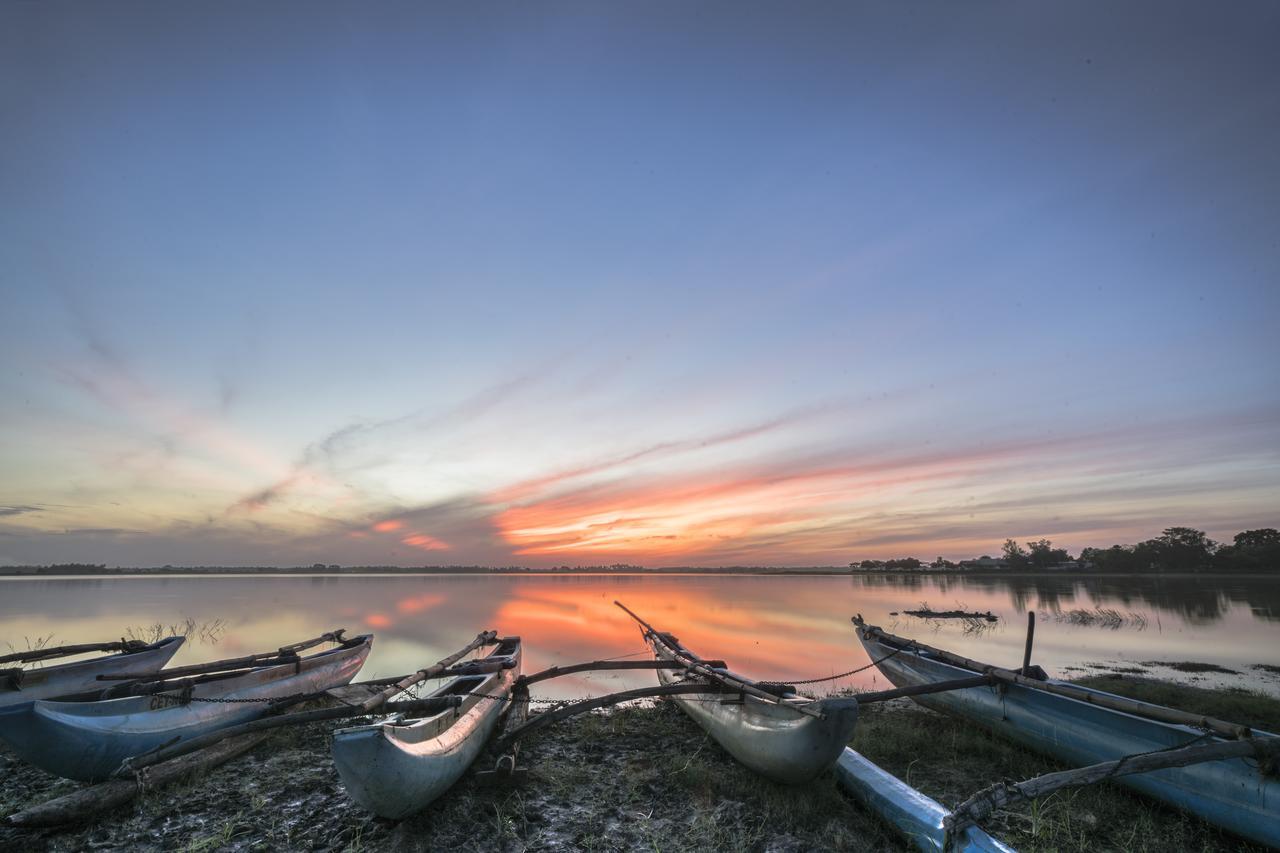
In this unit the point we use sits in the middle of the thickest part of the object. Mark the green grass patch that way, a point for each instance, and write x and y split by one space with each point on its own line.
949 760
1233 704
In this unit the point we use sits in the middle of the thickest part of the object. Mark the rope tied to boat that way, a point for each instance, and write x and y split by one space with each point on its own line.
877 662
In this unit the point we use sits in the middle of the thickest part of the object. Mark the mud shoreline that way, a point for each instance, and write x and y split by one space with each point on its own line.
637 778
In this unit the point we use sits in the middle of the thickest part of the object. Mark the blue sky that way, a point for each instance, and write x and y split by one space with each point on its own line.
664 283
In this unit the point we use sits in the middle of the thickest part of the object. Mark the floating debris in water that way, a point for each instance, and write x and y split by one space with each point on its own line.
1103 617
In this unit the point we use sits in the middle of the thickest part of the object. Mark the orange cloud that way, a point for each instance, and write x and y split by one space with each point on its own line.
388 526
425 542
378 620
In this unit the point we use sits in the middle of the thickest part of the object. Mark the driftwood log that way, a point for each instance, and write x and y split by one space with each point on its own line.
87 802
951 614
982 804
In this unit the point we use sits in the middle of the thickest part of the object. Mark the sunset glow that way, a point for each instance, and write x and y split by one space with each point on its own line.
278 297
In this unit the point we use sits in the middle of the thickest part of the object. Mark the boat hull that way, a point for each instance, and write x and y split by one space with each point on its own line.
397 768
64 679
1231 794
89 740
772 739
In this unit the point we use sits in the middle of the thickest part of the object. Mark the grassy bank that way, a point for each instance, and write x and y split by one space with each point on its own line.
636 779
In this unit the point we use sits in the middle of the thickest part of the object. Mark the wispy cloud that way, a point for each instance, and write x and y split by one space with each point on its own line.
17 509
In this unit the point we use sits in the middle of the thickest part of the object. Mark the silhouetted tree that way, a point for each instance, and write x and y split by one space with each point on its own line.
1014 554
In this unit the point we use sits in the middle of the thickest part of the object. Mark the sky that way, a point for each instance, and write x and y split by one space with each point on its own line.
660 283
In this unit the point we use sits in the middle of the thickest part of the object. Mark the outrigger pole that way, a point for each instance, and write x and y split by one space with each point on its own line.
719 675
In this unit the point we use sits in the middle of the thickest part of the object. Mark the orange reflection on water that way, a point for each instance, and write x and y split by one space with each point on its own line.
776 628
418 603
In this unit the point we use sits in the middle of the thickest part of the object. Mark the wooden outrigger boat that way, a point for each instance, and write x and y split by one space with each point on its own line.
768 727
87 738
398 766
19 685
1082 726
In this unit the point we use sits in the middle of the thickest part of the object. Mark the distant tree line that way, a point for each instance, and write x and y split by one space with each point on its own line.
1185 549
1177 549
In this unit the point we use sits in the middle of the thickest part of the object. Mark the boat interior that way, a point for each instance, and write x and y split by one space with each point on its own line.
473 689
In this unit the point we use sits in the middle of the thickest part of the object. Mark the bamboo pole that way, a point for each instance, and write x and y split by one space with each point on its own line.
692 664
1102 700
66 651
548 717
285 654
982 804
166 752
921 689
485 638
557 671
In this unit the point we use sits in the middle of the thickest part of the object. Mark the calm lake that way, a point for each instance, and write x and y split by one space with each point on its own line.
777 628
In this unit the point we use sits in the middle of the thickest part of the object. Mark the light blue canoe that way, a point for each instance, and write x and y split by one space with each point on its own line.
398 766
89 740
915 815
1233 794
48 682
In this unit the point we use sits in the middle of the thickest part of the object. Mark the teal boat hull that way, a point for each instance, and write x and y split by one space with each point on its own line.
1234 794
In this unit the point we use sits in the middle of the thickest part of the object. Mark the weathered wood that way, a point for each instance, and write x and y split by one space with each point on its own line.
921 689
728 679
432 705
1115 703
548 717
87 802
285 654
65 651
1026 652
505 768
982 804
485 638
598 665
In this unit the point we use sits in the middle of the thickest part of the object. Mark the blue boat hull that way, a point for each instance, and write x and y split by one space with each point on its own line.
89 740
1232 794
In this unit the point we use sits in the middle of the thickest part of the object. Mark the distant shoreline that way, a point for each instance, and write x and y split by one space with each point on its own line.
27 572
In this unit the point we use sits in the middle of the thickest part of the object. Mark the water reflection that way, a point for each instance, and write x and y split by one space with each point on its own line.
782 628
